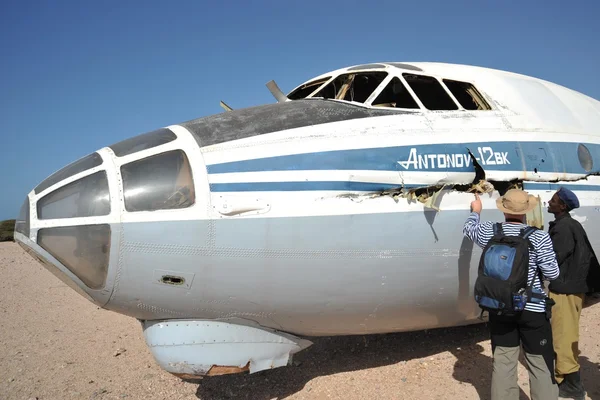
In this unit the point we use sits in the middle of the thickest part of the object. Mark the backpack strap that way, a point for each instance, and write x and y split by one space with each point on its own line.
526 232
539 296
498 228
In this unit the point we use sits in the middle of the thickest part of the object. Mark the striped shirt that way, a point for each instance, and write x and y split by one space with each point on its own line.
542 256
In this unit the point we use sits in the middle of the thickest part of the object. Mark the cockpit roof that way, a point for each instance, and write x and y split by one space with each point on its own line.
416 86
437 86
429 68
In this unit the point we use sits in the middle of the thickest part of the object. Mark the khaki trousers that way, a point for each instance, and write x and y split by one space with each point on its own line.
533 332
565 332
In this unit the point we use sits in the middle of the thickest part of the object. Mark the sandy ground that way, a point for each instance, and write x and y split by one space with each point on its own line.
54 344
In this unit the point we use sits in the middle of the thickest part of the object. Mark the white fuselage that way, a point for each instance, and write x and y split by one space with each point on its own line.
311 229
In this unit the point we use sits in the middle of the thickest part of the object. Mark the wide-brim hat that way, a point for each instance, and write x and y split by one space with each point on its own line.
517 202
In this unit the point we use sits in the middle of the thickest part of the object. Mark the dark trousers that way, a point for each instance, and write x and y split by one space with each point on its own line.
533 331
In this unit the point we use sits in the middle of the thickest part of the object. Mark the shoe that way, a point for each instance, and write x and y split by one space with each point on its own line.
571 387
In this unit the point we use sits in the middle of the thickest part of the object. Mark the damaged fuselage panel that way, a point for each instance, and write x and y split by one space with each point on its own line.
423 175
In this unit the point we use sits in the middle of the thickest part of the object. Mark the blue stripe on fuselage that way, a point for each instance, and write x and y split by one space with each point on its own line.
452 157
555 186
303 186
360 186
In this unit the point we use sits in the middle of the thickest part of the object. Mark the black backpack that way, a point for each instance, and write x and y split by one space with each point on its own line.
501 286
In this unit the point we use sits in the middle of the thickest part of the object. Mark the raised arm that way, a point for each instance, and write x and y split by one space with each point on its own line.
479 233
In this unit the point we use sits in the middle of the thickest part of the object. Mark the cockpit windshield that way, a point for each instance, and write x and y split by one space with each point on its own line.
306 89
159 182
368 85
352 87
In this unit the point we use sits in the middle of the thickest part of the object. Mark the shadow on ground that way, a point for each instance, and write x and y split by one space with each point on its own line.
477 370
590 371
590 376
332 355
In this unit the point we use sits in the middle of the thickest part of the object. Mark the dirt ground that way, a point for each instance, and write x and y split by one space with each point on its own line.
54 344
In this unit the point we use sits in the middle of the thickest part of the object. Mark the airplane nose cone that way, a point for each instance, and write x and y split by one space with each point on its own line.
78 220
64 223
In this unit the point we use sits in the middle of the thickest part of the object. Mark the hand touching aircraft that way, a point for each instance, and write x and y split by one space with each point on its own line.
337 210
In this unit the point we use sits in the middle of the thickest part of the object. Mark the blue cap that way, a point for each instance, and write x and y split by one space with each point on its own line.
568 197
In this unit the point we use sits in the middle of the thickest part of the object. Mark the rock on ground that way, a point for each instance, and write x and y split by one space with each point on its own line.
54 344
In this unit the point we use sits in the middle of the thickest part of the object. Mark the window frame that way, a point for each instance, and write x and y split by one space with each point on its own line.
383 86
479 92
125 147
357 72
438 80
39 207
75 269
326 81
146 156
400 74
90 162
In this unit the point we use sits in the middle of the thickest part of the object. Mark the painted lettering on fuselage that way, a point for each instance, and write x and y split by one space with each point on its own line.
487 156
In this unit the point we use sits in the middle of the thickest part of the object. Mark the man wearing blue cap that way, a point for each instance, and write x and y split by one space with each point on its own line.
576 259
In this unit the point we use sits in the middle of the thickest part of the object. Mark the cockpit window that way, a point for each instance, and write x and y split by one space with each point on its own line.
83 249
430 91
306 89
86 197
160 182
22 222
352 87
143 142
395 95
467 95
83 164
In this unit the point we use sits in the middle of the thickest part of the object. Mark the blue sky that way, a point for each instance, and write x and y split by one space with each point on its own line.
79 75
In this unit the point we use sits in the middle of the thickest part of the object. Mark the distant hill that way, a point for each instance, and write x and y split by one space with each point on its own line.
7 229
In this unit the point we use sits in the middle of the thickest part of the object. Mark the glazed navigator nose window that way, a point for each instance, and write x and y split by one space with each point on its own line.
83 249
86 197
143 142
160 182
83 164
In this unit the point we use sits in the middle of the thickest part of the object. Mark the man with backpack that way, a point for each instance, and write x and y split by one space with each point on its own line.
509 287
578 275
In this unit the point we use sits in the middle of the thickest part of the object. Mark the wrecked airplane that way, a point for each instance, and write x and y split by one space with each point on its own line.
337 210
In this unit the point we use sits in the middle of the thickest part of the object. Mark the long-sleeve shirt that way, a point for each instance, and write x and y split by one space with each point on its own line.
542 256
575 256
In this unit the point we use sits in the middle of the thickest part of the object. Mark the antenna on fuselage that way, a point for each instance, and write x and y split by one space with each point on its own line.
225 106
276 92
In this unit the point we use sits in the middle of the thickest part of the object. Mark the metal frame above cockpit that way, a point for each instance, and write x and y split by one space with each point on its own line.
401 72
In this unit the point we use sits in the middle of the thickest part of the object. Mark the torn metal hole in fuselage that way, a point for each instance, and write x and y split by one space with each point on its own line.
429 195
